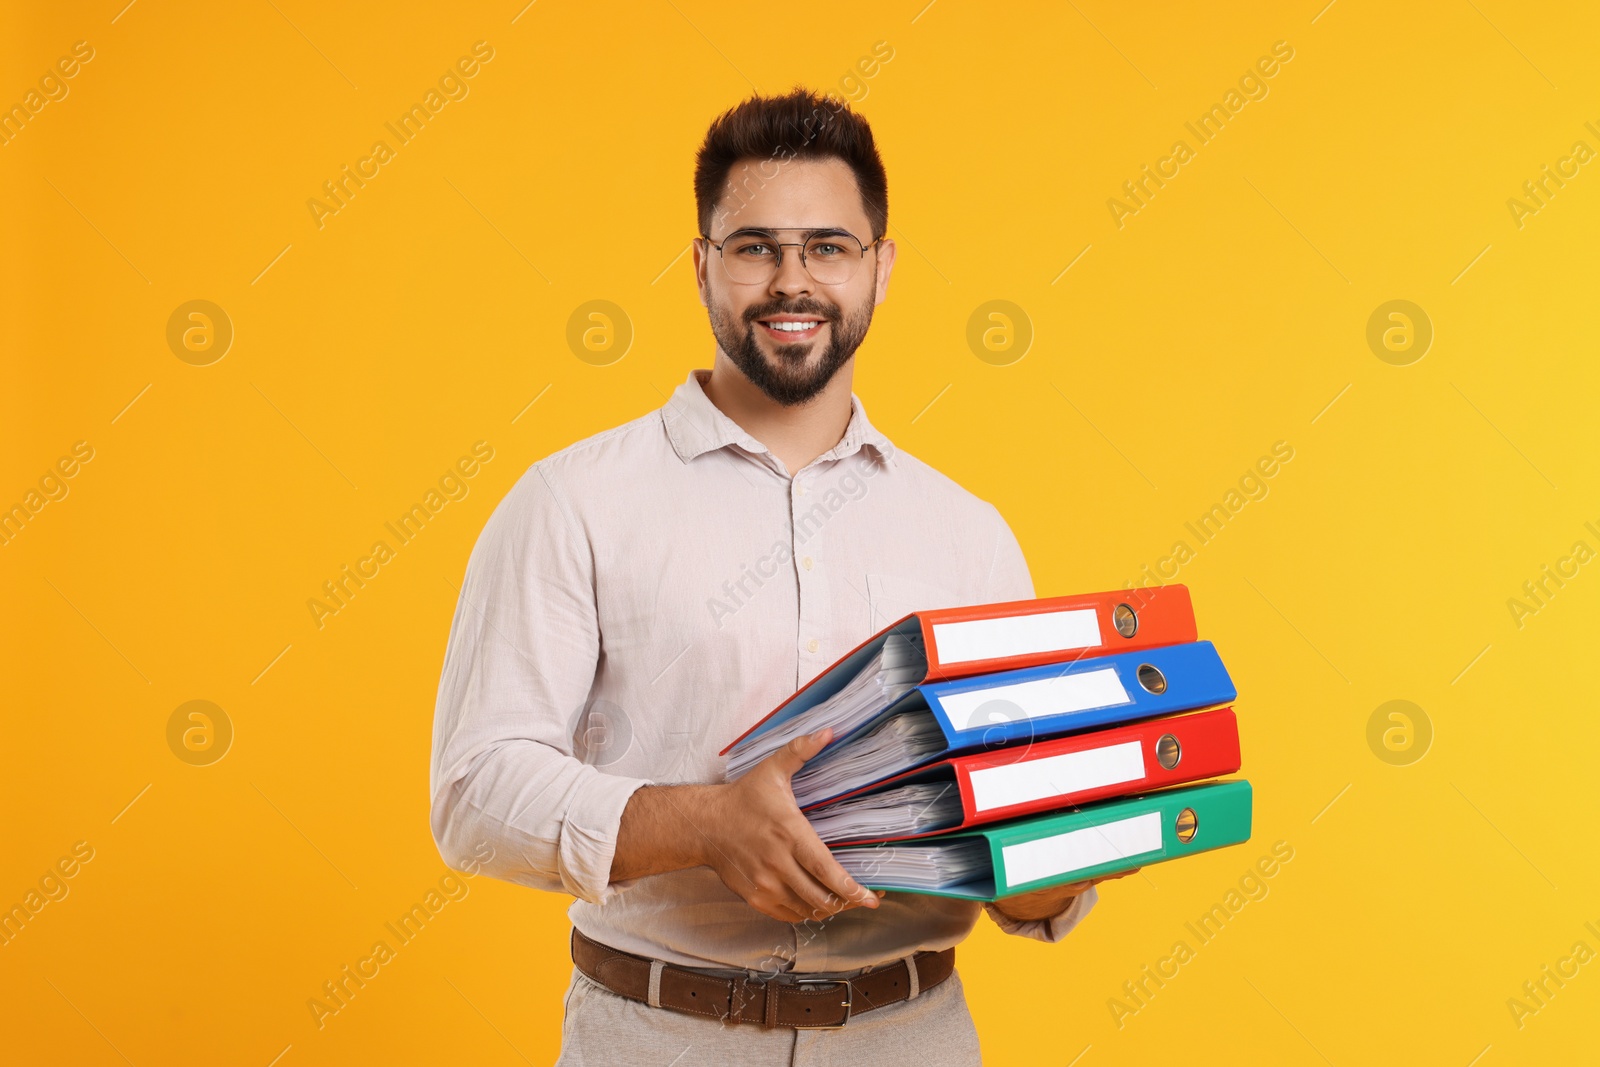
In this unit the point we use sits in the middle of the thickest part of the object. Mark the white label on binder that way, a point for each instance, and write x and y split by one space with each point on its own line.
1035 699
1016 635
1070 772
1078 850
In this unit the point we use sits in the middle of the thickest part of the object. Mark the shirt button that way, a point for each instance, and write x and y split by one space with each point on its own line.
806 563
811 645
800 489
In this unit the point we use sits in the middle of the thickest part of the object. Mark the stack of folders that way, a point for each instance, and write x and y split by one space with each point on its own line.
988 750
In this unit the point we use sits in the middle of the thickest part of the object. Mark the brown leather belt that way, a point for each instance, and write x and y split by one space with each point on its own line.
804 1003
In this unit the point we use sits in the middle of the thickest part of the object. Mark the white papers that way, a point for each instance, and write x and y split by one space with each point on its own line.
919 865
898 743
905 809
891 673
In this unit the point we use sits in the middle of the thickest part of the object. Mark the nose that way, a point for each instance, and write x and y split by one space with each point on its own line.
791 278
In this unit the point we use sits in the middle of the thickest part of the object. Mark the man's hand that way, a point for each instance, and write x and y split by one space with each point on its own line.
1048 903
750 832
766 851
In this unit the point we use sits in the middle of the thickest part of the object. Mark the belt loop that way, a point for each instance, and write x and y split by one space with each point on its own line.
911 969
653 998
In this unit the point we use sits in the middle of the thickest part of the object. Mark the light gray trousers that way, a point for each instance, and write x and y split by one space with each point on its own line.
603 1029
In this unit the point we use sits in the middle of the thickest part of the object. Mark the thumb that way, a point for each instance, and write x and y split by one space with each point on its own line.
792 756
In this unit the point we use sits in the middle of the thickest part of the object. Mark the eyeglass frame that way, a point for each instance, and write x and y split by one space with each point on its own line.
810 232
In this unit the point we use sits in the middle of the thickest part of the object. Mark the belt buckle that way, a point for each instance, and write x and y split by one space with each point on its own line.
848 1002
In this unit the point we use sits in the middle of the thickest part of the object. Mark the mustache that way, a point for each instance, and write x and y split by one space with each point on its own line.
802 307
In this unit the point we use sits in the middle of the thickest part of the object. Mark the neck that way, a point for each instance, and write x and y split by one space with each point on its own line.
796 435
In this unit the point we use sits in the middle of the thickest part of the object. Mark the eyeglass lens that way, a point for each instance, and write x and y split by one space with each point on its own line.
830 257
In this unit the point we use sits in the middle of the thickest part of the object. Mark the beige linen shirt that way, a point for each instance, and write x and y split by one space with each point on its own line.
636 602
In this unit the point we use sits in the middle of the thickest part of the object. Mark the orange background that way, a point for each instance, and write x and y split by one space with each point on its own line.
430 312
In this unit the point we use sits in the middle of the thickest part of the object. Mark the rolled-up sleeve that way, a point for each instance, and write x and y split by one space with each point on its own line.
518 668
1052 929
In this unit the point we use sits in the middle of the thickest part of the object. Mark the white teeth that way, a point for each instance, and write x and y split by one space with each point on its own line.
793 327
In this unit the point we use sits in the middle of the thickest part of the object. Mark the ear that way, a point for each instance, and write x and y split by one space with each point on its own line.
886 251
702 260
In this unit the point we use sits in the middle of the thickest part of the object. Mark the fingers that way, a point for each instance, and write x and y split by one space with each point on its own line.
766 892
793 877
817 901
792 756
820 863
787 893
791 891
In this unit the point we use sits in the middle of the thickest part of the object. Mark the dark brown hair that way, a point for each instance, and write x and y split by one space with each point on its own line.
773 130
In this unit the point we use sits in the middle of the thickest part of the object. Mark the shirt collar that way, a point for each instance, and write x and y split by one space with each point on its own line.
695 426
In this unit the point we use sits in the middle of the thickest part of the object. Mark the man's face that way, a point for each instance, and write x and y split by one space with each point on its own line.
791 366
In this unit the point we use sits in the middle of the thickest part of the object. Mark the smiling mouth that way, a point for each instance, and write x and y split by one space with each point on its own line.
792 328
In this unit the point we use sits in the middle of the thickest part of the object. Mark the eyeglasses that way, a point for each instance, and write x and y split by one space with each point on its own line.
752 256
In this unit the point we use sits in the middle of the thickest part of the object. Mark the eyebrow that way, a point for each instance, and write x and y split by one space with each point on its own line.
772 231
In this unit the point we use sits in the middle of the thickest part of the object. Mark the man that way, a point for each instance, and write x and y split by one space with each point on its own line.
642 597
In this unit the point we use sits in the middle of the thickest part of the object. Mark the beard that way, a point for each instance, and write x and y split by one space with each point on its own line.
786 377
